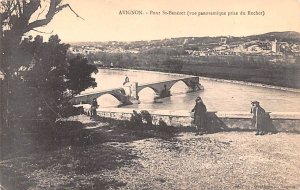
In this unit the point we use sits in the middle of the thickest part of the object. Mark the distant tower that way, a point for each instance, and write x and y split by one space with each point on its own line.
223 41
275 47
185 41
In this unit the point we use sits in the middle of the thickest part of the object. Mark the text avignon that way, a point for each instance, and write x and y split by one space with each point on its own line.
130 12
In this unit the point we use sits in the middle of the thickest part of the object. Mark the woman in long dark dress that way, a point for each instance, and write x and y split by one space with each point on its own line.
199 115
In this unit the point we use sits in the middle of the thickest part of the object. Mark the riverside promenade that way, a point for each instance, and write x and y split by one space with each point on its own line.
282 121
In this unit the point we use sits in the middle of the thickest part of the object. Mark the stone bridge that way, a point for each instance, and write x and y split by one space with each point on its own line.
87 98
128 94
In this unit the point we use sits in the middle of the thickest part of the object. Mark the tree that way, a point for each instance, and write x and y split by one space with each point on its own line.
16 18
173 65
19 59
49 80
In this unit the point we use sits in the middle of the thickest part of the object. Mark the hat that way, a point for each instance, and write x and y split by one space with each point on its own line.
254 102
198 98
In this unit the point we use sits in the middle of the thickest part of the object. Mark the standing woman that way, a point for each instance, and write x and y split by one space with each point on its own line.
199 115
258 118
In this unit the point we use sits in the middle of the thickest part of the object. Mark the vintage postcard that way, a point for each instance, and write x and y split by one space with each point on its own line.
148 94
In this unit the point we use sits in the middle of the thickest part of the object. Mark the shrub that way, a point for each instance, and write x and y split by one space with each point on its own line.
162 123
136 119
146 116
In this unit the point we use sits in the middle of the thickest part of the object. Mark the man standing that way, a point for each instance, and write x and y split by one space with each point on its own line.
258 117
94 107
199 115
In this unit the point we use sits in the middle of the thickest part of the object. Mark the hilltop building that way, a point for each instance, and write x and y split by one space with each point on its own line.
223 41
275 47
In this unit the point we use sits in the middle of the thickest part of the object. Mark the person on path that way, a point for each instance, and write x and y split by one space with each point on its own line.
258 118
199 116
94 107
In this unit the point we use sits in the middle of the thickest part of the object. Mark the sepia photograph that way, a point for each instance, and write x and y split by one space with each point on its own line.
149 94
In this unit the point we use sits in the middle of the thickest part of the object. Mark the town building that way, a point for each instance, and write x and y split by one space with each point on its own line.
275 46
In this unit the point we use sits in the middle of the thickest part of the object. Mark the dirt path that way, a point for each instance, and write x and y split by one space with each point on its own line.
217 161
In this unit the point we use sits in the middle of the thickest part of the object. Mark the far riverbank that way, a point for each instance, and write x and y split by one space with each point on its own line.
256 84
279 76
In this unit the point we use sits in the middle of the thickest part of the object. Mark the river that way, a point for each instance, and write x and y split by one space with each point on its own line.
217 95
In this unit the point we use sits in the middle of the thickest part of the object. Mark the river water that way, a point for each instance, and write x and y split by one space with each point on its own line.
217 95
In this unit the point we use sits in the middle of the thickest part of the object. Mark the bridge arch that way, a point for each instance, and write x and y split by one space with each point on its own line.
179 83
117 94
108 100
144 94
111 94
156 91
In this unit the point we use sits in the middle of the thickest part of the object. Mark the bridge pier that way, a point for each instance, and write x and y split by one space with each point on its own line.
165 92
194 85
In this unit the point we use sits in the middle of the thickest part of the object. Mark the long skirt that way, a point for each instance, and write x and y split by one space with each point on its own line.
200 121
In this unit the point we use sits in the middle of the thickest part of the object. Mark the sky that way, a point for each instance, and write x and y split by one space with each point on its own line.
103 21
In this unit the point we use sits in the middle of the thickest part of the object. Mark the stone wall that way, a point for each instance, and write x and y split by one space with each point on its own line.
286 122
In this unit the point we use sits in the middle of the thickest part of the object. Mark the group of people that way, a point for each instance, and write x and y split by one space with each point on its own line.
259 117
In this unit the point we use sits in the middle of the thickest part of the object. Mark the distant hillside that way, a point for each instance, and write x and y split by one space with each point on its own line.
288 36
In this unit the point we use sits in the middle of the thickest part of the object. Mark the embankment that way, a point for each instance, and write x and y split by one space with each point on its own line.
282 122
275 75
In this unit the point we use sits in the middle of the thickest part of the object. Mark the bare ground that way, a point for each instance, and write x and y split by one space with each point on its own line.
116 157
